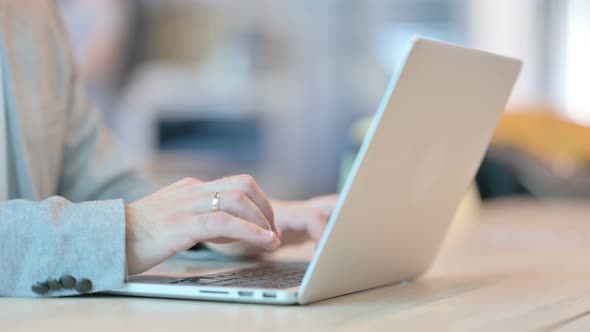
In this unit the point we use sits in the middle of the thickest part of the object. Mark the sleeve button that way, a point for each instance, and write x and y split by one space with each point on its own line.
53 284
67 281
40 289
83 286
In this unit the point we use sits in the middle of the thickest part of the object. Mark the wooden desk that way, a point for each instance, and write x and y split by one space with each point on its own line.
525 266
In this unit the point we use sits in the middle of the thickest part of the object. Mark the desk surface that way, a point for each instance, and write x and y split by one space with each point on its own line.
524 266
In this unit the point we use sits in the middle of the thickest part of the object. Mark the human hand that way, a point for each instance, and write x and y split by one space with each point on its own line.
180 215
300 221
297 222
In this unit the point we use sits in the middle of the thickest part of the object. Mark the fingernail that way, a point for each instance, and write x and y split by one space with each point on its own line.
275 241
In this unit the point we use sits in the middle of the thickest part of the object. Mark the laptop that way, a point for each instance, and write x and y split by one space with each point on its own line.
418 158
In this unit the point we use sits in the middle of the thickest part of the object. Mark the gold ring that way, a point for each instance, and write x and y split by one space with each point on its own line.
216 201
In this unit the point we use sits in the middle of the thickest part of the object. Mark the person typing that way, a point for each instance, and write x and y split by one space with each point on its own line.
74 218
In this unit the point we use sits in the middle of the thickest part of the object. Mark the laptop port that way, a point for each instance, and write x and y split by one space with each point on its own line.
212 292
269 295
242 293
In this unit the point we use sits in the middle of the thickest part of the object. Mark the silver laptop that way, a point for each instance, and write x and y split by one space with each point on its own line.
420 155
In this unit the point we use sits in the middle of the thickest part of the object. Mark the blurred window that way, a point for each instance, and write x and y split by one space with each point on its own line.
577 61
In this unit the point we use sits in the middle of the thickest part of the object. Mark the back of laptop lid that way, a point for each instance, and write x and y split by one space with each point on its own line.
418 159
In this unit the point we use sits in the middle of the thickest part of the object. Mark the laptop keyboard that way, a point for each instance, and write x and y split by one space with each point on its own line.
272 275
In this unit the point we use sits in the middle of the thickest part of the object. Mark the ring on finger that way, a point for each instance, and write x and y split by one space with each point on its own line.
216 199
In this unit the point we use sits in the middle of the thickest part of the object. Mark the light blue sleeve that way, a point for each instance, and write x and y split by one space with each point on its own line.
46 240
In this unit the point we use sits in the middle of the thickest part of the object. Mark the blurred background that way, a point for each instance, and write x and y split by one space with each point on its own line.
279 89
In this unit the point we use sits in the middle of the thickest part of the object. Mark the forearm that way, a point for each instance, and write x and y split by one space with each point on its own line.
94 169
41 241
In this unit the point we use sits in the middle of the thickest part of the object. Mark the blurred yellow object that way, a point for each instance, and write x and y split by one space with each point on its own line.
539 132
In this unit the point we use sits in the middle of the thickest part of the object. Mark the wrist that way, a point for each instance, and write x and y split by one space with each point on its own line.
130 240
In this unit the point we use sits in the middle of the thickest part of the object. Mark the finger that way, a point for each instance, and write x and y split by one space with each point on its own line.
246 184
238 204
315 222
234 202
217 225
304 221
326 203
